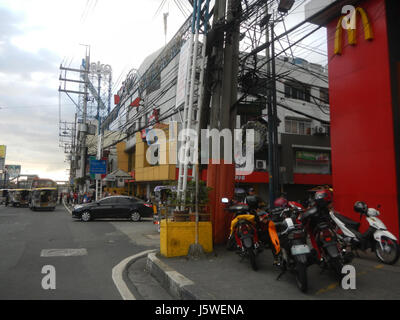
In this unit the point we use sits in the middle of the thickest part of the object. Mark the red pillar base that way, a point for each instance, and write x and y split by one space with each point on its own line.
221 178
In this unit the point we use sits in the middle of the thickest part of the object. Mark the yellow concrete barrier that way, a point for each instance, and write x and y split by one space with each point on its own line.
176 237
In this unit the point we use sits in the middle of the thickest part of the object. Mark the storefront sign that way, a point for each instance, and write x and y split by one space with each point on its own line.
312 157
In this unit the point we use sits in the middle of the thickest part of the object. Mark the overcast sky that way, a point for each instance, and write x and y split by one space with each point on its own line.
36 36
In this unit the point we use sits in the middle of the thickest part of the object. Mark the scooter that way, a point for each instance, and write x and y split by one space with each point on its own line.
243 235
377 237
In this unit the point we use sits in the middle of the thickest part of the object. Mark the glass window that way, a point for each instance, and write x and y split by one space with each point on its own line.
298 127
324 95
122 200
107 201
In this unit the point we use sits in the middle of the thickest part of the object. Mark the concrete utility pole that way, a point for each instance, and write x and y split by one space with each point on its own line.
84 114
218 56
83 127
221 177
99 142
273 158
73 150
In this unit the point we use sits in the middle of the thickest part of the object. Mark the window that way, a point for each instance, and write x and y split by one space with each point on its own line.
107 201
324 95
297 90
294 126
123 200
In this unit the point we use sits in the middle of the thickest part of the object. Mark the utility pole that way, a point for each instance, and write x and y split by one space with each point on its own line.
221 176
218 55
98 177
275 116
84 114
73 151
82 127
273 161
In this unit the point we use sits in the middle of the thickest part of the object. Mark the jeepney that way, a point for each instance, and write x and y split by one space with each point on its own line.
44 195
19 197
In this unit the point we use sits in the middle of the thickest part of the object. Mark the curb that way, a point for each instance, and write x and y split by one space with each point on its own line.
118 274
177 285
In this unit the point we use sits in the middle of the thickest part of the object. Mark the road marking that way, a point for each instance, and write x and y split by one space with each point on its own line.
328 288
68 209
118 271
334 285
63 252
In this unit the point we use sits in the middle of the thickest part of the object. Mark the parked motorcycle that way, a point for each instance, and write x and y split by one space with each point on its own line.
323 238
295 252
243 235
377 237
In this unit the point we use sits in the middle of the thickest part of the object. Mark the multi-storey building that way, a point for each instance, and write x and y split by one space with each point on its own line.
147 99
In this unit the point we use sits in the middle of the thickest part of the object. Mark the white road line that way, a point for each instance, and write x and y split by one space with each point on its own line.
63 252
68 209
117 274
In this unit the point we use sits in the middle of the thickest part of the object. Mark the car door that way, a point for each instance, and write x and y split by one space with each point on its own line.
104 208
122 208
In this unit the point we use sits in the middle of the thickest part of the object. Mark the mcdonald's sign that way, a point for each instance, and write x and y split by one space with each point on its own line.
352 33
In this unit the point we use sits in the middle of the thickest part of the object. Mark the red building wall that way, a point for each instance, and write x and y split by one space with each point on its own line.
362 138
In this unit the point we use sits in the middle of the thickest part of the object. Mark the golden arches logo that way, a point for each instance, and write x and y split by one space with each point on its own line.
352 32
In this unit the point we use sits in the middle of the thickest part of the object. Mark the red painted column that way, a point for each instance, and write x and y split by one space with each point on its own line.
220 177
362 131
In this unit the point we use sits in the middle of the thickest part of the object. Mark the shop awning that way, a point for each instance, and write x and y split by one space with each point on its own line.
117 174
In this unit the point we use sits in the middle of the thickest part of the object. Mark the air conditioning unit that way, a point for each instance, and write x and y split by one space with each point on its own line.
261 165
318 130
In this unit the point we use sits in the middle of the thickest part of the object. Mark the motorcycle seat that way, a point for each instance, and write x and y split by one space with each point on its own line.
347 221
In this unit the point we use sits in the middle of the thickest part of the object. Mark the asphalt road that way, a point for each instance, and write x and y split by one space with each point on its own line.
28 241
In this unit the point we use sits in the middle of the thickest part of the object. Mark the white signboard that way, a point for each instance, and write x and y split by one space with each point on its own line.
182 74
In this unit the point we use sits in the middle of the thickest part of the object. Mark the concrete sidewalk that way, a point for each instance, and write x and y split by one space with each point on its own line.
222 275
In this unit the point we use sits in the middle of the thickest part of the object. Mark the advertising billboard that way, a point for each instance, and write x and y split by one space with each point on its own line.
13 171
3 151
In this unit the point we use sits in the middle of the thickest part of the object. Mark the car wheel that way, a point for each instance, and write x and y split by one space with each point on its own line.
86 216
135 216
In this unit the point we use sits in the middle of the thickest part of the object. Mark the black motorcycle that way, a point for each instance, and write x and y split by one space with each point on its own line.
295 252
323 238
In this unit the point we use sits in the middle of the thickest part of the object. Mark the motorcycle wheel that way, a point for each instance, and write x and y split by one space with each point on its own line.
336 265
390 253
252 257
231 243
301 276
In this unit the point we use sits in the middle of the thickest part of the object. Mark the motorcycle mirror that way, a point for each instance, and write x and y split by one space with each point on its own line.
225 200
